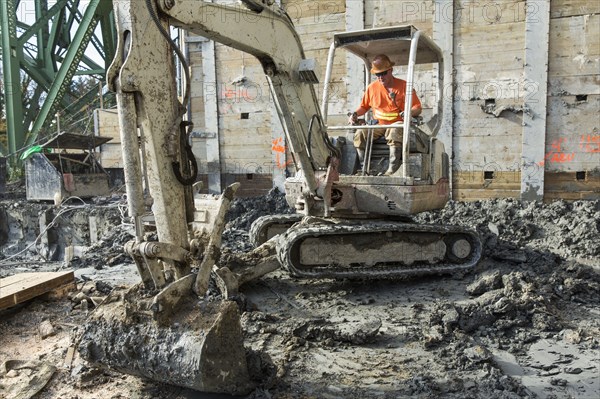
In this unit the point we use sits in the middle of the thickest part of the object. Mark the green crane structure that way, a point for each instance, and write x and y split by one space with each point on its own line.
48 41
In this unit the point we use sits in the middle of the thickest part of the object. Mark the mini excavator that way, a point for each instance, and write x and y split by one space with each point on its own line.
347 224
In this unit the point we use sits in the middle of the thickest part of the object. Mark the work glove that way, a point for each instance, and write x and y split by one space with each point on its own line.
352 118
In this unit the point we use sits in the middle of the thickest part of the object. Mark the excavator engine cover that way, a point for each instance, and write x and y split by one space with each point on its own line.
201 347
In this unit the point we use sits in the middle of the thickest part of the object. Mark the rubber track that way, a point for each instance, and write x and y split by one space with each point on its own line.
259 226
287 241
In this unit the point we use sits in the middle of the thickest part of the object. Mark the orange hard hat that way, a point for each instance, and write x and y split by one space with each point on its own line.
381 63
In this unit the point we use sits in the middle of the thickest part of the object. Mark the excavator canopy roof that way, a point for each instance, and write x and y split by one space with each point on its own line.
72 141
392 41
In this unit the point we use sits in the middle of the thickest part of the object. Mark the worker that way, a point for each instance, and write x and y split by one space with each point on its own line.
386 97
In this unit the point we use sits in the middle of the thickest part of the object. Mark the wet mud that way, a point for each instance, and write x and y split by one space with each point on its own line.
523 324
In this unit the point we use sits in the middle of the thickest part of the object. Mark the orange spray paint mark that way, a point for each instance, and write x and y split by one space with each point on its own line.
556 153
589 143
279 148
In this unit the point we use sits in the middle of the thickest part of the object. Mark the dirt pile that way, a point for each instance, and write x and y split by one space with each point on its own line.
568 229
107 251
244 211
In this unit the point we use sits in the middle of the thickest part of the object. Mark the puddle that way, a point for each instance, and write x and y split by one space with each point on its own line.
555 369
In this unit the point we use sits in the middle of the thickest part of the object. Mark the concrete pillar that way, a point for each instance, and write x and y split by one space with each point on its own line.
211 122
443 35
537 29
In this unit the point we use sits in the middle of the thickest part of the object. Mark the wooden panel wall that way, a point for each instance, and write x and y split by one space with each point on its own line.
488 93
487 139
483 139
572 157
316 21
244 118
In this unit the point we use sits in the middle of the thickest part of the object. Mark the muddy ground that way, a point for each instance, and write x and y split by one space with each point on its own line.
524 323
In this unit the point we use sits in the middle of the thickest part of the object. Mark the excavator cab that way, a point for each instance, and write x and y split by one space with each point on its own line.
406 47
422 182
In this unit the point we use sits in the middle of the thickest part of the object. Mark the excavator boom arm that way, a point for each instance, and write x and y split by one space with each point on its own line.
267 33
143 76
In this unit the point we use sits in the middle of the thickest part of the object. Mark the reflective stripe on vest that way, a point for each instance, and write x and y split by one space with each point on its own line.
386 116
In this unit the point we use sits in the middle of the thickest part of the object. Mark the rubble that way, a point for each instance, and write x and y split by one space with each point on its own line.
46 329
524 323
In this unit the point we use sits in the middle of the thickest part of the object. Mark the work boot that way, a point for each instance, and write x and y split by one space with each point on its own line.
395 160
361 159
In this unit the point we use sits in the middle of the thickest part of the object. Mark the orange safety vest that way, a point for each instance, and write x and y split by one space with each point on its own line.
385 108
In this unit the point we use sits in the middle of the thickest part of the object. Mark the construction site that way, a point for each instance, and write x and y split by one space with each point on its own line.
291 199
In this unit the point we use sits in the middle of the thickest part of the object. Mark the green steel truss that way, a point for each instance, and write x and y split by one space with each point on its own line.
50 41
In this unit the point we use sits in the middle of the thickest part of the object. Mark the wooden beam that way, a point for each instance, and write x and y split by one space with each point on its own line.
24 286
537 33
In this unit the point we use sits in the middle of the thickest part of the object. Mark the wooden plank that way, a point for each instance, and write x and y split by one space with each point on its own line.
258 158
478 80
475 34
487 42
482 194
580 84
574 46
472 121
312 42
245 141
577 65
506 181
251 184
488 153
249 154
488 61
257 122
308 27
491 13
567 8
567 183
354 71
471 186
469 76
111 156
576 34
323 12
550 196
24 286
393 12
247 160
573 135
443 34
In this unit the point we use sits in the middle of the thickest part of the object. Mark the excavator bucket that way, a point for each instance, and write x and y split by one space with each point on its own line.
165 330
200 347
